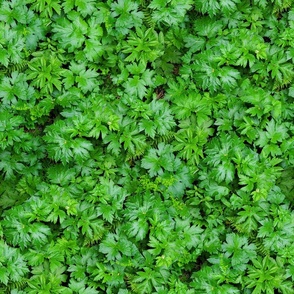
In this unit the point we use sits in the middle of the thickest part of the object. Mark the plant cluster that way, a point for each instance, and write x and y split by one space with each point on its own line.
146 146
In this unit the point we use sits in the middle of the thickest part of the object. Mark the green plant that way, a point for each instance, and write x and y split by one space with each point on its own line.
146 146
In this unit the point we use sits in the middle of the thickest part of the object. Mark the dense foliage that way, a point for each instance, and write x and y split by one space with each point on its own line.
146 146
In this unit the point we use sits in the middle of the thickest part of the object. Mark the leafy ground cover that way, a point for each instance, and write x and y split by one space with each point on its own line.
146 146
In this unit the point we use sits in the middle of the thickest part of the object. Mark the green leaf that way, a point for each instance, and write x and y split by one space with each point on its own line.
110 247
4 57
239 251
86 80
159 160
3 276
127 15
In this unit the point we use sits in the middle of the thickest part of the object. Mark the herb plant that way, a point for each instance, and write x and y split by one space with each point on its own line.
146 146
